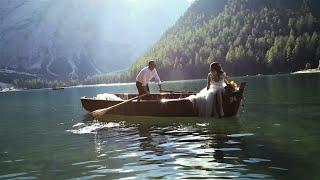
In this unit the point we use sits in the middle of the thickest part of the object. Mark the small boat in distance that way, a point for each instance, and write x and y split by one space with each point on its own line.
162 104
57 88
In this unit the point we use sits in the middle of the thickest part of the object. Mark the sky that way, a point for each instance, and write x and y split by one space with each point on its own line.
139 21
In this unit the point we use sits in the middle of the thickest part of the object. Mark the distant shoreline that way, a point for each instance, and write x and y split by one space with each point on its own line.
307 71
12 89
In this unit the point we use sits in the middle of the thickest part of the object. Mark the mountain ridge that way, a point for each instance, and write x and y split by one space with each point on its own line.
70 40
43 38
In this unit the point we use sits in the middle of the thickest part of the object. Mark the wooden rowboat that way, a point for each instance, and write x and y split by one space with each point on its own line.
162 104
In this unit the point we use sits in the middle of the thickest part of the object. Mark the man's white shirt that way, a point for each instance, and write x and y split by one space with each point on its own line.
145 75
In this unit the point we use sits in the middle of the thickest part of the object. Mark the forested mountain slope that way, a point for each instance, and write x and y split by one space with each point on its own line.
246 36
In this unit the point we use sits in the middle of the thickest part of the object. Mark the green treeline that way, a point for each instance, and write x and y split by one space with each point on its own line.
246 36
105 78
37 83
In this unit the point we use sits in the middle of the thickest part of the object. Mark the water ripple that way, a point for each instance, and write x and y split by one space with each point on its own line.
12 175
92 128
256 160
241 135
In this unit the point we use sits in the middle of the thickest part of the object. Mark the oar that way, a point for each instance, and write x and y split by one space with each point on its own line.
100 112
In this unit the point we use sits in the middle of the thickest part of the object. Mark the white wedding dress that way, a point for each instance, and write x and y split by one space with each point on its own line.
205 98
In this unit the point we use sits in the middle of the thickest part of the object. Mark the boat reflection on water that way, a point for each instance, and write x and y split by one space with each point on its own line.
210 146
186 147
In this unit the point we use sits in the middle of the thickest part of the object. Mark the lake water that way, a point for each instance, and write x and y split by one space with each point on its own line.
45 134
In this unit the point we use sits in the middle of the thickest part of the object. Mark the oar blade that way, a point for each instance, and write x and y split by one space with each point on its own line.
98 113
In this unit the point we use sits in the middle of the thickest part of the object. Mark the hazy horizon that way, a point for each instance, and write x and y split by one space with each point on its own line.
64 38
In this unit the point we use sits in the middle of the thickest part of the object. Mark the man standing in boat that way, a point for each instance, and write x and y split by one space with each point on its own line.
144 77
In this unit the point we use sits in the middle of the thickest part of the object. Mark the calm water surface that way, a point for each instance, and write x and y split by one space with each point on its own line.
45 134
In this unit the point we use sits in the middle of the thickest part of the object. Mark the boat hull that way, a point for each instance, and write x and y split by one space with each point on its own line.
153 105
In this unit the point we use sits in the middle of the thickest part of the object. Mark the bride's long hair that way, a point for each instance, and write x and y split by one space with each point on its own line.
216 67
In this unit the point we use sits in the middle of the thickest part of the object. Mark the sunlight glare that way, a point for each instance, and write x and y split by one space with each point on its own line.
132 1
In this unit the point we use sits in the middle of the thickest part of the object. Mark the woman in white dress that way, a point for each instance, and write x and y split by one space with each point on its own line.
206 99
